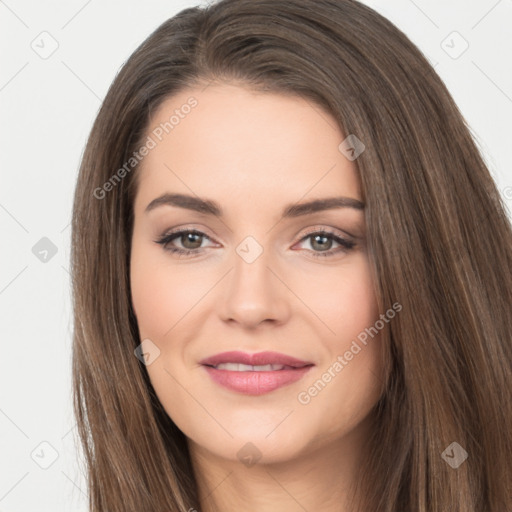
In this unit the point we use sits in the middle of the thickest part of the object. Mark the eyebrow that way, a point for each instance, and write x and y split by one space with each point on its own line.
209 207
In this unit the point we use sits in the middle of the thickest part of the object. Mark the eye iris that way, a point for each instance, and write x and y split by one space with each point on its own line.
325 238
189 237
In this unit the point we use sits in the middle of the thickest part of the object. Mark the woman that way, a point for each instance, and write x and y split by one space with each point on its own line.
292 275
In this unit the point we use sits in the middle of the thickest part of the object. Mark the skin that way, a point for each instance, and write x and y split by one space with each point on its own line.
255 153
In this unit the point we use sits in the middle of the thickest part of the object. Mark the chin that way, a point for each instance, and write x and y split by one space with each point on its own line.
253 444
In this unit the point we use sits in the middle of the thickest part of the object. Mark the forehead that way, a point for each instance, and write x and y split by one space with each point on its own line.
230 142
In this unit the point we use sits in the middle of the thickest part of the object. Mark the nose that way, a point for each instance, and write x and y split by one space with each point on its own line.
254 294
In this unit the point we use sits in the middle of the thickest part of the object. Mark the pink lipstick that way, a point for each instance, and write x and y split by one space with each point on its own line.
255 374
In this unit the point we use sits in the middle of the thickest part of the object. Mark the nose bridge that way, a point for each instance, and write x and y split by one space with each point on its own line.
250 276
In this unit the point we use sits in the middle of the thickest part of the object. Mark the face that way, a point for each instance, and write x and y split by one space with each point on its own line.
261 274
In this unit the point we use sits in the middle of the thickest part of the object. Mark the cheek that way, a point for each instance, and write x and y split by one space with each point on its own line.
161 294
345 302
342 299
357 302
357 313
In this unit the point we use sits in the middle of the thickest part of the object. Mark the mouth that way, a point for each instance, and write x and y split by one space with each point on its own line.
239 367
255 374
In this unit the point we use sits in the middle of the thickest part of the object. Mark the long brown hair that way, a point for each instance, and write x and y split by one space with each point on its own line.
438 237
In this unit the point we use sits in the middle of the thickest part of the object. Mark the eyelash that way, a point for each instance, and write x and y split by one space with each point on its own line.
346 245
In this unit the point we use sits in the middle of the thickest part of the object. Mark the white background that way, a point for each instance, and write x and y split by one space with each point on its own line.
47 109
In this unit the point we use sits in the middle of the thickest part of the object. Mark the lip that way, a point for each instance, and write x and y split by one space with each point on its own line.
256 383
257 359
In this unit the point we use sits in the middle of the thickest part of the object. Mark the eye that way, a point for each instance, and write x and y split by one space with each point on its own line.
324 239
191 239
